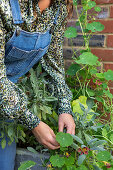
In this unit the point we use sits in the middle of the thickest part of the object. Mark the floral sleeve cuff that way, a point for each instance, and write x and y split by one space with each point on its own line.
29 120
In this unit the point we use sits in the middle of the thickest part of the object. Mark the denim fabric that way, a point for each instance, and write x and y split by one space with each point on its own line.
7 156
24 49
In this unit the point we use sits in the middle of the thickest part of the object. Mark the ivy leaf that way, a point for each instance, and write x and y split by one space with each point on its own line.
95 26
87 58
64 139
71 32
91 4
57 161
97 9
81 158
108 75
26 165
69 161
103 156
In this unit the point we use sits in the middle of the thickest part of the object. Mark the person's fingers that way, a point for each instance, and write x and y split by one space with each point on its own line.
61 126
69 129
73 131
50 146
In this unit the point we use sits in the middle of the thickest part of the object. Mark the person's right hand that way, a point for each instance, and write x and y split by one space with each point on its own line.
45 135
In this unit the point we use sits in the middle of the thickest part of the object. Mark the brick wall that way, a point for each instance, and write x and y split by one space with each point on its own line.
101 44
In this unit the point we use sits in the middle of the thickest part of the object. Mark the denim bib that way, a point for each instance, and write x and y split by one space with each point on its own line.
24 49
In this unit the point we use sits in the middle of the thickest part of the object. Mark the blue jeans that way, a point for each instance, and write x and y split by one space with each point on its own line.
7 156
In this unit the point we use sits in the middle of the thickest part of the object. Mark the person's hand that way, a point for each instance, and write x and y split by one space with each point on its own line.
45 135
66 120
43 4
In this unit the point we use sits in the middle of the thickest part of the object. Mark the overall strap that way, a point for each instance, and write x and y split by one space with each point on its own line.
16 13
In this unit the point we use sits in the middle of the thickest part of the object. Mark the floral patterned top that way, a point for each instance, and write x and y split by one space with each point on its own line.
13 101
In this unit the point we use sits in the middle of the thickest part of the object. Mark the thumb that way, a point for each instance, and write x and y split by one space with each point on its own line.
61 127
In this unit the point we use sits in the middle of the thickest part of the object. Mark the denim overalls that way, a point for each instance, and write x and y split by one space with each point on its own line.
22 51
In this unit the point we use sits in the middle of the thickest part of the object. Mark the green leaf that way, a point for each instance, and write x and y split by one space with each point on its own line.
87 137
77 139
103 156
97 9
82 167
10 131
69 161
32 150
72 167
100 75
93 71
64 139
87 58
95 26
71 32
108 75
75 2
57 161
81 158
100 142
73 69
90 92
26 165
111 137
75 146
91 4
3 143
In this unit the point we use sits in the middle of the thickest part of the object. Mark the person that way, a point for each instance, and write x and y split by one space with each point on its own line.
38 16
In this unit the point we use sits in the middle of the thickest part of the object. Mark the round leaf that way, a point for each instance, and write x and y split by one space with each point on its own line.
69 161
87 58
71 32
103 156
64 139
97 9
95 26
73 69
108 75
57 161
91 4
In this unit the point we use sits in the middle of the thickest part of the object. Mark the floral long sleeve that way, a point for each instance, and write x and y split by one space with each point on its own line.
53 64
13 102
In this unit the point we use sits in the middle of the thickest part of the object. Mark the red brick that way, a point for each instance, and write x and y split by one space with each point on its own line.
109 41
103 54
111 11
104 1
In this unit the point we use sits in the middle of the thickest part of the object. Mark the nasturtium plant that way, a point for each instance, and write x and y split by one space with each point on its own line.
71 32
91 4
108 75
87 58
95 26
26 165
64 139
57 161
103 156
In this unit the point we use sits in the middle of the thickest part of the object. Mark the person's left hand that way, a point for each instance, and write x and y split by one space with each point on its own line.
66 120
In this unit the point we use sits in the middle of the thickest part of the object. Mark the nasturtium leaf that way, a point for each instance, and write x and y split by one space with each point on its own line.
93 71
82 167
57 161
81 158
70 32
107 93
108 75
100 75
87 58
97 9
64 139
103 156
26 165
91 4
73 69
69 161
90 92
95 26
72 167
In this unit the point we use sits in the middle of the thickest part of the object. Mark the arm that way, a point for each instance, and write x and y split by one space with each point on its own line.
13 102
